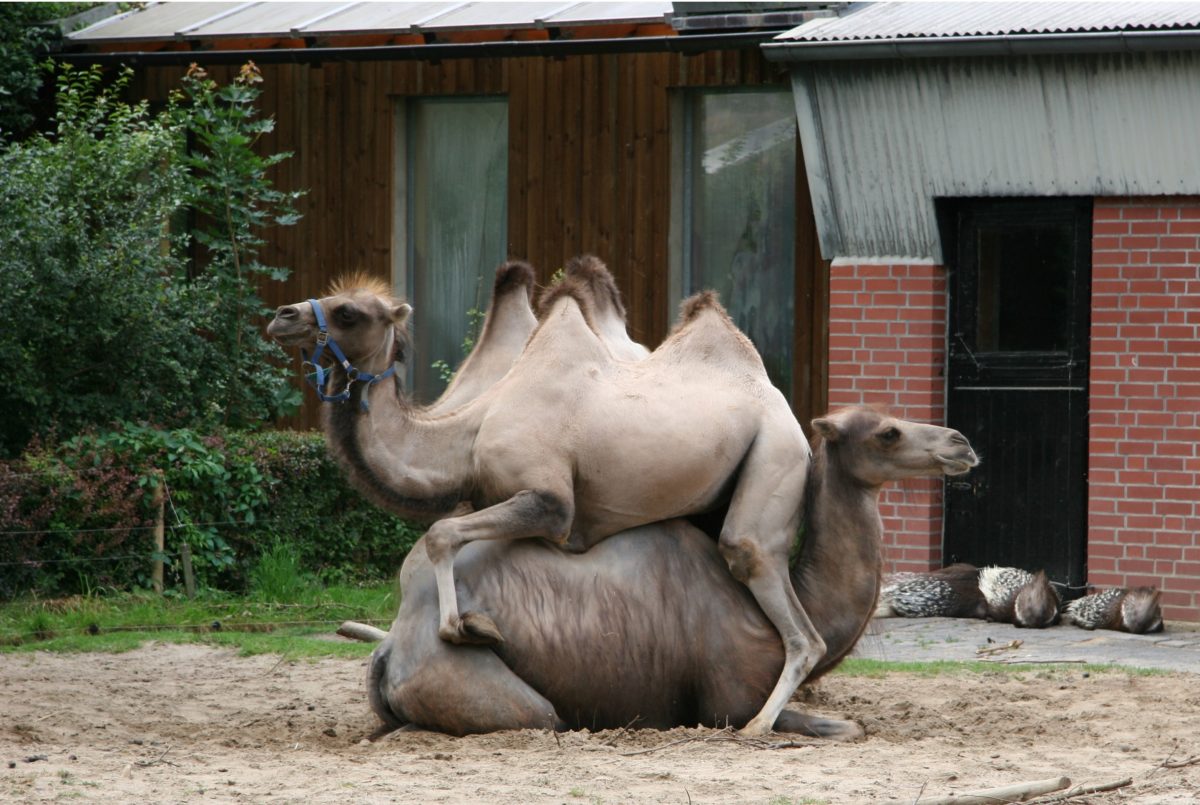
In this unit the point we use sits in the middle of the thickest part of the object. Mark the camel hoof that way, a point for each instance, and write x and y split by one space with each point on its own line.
831 729
754 730
473 629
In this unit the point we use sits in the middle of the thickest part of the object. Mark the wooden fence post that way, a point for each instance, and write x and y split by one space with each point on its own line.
156 572
189 580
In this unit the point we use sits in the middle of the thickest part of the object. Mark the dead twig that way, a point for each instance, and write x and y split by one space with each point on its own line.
989 650
1179 764
690 739
1018 792
1019 661
1082 791
621 733
160 759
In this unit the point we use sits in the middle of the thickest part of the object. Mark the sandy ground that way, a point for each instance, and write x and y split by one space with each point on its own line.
189 723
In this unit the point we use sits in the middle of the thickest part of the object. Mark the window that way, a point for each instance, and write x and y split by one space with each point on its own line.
451 215
734 212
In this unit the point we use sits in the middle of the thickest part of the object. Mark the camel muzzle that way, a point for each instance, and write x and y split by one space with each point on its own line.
320 378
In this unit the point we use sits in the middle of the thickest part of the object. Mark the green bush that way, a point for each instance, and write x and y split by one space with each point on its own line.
79 515
108 314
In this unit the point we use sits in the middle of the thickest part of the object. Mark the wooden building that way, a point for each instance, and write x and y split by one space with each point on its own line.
435 140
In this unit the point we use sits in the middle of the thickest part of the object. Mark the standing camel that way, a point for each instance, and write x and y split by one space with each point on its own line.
649 627
573 445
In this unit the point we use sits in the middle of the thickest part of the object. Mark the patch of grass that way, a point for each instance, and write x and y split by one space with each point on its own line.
278 576
256 625
880 668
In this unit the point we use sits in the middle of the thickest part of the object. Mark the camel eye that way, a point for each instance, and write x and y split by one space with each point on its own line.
890 436
346 316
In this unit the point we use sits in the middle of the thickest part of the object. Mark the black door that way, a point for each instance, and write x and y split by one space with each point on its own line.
1017 377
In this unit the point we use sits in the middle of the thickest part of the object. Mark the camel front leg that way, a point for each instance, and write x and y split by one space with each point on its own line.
530 513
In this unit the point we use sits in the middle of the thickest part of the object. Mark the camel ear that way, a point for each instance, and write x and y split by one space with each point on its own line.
827 428
400 313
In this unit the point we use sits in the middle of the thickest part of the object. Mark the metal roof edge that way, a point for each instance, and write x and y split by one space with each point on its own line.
103 22
431 52
1003 45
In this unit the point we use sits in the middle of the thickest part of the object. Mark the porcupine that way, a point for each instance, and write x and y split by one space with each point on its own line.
1004 594
1124 609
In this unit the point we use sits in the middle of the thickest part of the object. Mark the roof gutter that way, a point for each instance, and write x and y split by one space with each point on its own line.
1001 45
692 43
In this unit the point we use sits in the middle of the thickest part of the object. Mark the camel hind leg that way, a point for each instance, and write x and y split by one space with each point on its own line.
418 680
755 539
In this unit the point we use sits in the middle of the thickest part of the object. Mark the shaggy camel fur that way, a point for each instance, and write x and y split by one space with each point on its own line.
649 627
573 445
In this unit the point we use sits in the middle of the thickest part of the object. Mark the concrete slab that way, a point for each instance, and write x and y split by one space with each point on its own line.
958 639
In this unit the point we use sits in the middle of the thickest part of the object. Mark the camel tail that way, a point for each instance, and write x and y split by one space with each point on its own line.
590 271
511 276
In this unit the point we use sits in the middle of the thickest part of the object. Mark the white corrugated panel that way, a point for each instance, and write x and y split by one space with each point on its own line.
882 140
907 20
263 19
378 17
159 21
611 12
495 15
155 21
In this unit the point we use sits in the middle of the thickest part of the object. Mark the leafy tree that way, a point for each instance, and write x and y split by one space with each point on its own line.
230 191
103 319
26 36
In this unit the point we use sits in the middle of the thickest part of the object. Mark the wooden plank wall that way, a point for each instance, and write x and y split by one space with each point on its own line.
589 159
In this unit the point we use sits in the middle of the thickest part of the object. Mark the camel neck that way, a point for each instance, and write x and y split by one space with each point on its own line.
836 574
412 466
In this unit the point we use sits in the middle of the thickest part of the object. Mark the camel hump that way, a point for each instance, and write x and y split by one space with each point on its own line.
591 272
511 276
696 304
571 286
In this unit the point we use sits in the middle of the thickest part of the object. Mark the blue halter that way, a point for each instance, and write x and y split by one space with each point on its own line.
320 377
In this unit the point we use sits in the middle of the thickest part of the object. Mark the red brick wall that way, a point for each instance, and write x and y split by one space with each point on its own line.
1144 463
887 325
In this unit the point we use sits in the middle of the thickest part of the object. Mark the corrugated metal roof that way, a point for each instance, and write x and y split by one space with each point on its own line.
887 21
883 140
162 21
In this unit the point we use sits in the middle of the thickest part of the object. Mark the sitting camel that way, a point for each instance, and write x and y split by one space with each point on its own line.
649 627
574 445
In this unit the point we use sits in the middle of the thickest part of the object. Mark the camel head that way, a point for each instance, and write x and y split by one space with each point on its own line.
361 317
875 448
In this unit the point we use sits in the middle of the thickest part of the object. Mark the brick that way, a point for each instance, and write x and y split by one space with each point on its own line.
1155 227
